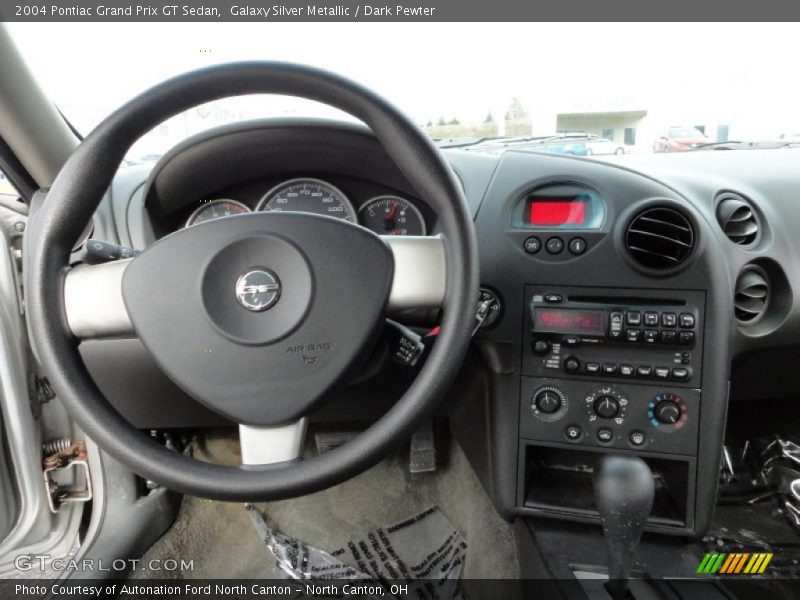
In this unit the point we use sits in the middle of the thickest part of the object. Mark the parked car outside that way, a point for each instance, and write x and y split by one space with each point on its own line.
605 146
680 139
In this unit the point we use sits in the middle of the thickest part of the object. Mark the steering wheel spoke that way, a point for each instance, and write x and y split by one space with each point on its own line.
93 301
270 445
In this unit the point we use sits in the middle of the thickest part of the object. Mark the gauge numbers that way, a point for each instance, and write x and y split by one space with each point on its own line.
216 209
391 215
308 196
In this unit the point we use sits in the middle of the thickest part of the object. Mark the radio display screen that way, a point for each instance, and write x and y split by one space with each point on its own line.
563 320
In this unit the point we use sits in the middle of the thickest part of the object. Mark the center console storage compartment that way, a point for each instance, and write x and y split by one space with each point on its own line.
556 481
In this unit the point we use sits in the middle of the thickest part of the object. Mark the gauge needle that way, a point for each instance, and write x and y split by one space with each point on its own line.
389 223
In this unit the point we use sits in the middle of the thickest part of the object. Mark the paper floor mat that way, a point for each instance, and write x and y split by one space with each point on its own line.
424 552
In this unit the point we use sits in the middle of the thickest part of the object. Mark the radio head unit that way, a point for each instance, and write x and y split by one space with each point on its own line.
617 334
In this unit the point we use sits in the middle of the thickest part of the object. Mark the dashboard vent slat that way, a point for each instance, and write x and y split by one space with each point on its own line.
659 238
737 219
752 294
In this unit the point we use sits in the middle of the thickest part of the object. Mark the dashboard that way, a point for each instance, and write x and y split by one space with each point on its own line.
624 292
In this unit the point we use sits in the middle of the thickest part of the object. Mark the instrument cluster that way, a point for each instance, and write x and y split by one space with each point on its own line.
384 214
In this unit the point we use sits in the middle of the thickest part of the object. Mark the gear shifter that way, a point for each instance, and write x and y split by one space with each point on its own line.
623 490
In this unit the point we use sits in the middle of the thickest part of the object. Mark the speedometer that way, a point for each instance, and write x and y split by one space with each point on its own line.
308 196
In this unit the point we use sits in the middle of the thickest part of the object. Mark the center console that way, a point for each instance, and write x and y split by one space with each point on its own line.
612 337
605 368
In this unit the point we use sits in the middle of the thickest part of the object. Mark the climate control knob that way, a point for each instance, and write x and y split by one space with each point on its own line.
548 401
606 406
607 403
667 412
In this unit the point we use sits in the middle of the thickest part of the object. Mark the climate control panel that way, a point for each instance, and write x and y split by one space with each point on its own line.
631 416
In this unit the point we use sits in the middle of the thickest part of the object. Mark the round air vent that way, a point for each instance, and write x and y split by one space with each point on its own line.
659 238
752 294
738 220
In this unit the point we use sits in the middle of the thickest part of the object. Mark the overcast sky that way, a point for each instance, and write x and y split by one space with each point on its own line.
436 69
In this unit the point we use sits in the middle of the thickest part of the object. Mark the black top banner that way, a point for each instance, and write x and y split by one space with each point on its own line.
400 10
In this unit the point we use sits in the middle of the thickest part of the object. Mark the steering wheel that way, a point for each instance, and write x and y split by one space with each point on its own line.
255 316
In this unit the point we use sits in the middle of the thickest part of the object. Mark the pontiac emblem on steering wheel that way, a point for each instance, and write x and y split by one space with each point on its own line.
258 289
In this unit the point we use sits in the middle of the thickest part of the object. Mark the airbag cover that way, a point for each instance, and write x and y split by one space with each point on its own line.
257 315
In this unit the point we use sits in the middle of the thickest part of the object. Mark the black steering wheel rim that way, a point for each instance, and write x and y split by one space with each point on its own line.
78 190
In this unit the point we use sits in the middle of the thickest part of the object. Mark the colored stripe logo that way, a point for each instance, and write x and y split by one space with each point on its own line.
734 563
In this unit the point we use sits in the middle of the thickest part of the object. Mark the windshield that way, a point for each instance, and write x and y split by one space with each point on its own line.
542 87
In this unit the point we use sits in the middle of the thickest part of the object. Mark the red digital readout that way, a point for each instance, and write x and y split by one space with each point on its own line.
557 212
569 320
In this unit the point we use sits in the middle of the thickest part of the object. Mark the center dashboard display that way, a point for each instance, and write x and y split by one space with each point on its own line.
556 206
550 211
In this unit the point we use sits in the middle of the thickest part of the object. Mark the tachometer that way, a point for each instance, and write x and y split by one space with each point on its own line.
391 215
216 209
309 196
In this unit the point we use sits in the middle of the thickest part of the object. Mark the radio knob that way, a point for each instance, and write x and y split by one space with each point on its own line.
606 407
541 347
548 401
667 412
572 364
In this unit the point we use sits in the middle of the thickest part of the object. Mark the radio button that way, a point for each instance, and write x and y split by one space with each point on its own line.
668 337
680 373
651 319
609 369
686 338
633 318
572 364
615 325
571 341
592 368
626 370
669 319
650 336
644 371
553 298
555 245
633 335
662 373
687 320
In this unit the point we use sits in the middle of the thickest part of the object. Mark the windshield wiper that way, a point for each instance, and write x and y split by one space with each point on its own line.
463 142
509 140
744 145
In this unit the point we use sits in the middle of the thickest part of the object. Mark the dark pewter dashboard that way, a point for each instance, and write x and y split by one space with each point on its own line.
625 289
